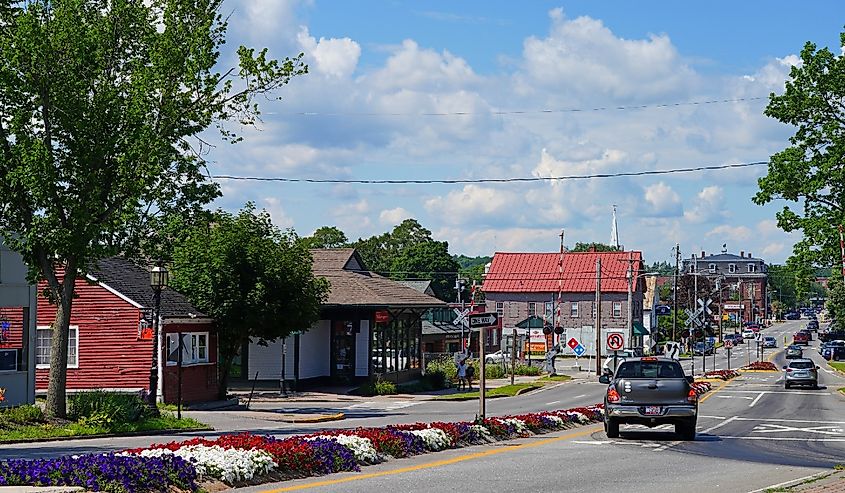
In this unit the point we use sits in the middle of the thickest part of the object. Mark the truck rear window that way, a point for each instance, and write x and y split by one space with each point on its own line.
650 369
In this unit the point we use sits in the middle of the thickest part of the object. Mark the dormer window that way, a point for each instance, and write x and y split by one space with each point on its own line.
732 268
711 268
752 268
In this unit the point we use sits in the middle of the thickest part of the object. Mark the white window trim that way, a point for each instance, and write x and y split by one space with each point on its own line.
500 305
189 336
577 309
532 308
615 304
732 268
711 268
76 346
752 268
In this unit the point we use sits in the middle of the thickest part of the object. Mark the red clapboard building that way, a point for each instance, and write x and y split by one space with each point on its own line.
110 345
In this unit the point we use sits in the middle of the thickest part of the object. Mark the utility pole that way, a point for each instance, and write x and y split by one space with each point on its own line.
719 287
675 293
842 249
598 316
694 308
630 276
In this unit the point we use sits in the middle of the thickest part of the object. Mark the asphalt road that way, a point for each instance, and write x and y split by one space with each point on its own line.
752 434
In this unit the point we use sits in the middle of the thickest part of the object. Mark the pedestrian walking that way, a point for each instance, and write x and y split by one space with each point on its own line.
470 371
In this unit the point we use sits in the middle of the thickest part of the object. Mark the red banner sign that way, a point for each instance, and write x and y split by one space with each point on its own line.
382 317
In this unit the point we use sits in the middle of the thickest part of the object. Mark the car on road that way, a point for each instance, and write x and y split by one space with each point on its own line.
494 358
769 341
792 316
801 372
747 334
813 325
753 326
800 337
828 344
809 334
703 348
832 335
650 391
734 338
794 351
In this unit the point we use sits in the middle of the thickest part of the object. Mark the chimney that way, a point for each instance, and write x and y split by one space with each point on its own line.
749 255
702 254
742 253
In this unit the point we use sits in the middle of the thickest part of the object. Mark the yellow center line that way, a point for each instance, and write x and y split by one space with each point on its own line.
709 394
439 463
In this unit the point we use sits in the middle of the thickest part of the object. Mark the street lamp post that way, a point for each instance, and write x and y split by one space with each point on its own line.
158 281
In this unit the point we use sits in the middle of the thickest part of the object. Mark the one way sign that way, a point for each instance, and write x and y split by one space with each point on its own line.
479 320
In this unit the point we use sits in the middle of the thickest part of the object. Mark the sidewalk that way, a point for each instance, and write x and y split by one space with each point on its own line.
832 482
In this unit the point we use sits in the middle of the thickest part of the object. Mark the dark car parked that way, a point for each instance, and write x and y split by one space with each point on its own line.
832 335
650 391
834 353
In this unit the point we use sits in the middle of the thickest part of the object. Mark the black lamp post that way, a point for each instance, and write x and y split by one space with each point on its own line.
158 281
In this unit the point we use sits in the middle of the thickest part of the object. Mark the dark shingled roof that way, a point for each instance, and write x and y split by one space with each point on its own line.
353 287
133 282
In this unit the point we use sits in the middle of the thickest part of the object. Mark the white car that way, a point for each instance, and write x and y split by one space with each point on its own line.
493 358
608 366
747 334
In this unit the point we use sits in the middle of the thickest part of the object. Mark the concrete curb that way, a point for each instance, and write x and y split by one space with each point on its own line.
292 417
146 433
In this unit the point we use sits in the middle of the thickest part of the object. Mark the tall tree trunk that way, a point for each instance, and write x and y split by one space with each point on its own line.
225 367
56 393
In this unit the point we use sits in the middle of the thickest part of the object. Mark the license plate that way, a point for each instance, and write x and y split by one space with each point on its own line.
651 410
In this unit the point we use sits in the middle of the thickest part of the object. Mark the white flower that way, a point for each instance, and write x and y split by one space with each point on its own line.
482 432
362 448
230 465
434 438
578 416
557 420
519 424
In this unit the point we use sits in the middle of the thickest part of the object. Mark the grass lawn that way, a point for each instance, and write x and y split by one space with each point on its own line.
506 391
837 365
555 378
16 430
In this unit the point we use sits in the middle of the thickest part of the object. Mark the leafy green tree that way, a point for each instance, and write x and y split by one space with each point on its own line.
252 279
782 285
326 237
836 298
663 268
380 251
598 247
102 103
810 172
429 260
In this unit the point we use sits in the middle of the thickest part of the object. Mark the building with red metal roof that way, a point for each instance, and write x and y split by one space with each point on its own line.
519 285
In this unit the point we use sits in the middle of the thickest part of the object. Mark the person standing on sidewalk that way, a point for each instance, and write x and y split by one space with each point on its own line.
462 374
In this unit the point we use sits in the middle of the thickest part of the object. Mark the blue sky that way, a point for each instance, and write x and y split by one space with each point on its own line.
377 67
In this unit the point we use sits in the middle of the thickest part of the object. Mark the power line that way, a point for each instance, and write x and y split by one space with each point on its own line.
489 180
524 112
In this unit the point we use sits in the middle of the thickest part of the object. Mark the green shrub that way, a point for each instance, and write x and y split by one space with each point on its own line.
22 415
103 409
379 387
435 380
445 366
494 371
526 370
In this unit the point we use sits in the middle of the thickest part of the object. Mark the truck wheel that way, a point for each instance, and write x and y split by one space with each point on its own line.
611 428
686 430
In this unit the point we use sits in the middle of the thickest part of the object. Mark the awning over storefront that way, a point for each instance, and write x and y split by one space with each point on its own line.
639 329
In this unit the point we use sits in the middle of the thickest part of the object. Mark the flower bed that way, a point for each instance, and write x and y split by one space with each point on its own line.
761 365
701 387
722 374
252 459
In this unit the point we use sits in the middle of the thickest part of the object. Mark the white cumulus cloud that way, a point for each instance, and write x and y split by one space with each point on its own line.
336 57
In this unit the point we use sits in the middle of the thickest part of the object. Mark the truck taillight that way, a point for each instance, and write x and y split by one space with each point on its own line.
692 396
613 395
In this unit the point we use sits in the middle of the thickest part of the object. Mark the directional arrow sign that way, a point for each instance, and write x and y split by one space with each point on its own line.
479 320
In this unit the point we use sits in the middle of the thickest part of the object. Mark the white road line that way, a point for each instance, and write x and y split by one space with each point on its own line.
756 399
793 421
712 417
785 439
797 392
793 481
552 403
718 425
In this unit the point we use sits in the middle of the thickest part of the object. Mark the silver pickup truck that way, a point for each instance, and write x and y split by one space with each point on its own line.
650 391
